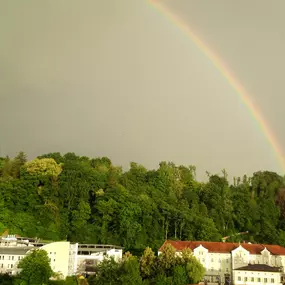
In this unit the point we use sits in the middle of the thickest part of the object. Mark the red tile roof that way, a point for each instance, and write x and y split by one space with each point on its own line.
225 247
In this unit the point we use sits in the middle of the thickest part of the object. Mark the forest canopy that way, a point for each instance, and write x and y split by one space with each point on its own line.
90 200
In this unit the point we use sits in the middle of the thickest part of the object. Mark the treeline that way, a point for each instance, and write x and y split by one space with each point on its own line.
58 197
165 269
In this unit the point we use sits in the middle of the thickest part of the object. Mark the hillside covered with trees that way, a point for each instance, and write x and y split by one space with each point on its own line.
58 197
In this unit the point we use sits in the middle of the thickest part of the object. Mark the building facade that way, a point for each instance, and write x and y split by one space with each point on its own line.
233 263
66 259
257 274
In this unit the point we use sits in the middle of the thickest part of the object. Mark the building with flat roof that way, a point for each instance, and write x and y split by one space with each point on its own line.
66 258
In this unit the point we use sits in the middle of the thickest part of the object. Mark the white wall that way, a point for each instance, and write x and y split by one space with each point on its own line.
98 257
216 264
9 262
116 253
256 278
58 253
72 262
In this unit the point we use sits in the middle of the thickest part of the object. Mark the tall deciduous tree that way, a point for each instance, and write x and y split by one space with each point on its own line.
35 268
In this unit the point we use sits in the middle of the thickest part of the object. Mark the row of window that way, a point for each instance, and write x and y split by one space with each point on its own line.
10 257
212 260
212 269
227 261
258 279
9 265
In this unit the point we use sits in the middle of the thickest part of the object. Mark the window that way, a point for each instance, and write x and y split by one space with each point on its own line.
219 260
2 265
11 265
212 259
245 279
212 268
272 280
50 253
203 259
0 257
8 265
239 278
258 279
227 261
265 280
13 257
19 257
227 270
252 279
9 257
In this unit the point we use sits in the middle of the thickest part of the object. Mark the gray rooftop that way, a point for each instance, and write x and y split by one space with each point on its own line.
259 267
20 250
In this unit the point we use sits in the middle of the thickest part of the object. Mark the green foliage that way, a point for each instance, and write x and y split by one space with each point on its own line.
167 268
108 272
130 271
92 201
148 263
67 281
43 167
180 276
195 270
35 268
6 279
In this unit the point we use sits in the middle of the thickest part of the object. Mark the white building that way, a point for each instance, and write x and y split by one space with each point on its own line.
89 255
257 274
234 263
66 258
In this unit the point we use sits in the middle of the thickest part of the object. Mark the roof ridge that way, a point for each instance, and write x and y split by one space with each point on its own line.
226 247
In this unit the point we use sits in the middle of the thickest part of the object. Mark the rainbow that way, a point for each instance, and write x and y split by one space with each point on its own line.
228 75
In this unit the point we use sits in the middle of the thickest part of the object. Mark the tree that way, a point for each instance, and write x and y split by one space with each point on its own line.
130 270
167 260
35 268
89 200
148 263
177 269
195 270
43 167
6 279
126 271
180 276
107 273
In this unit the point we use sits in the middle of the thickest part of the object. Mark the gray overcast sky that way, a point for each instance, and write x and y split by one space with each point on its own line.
118 79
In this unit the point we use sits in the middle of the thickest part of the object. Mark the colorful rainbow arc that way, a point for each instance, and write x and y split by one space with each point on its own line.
218 63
